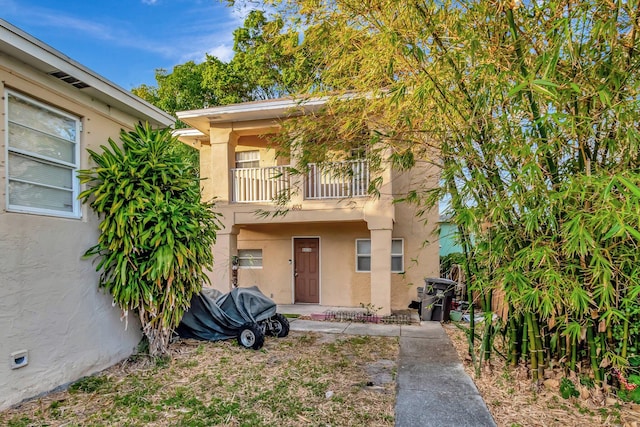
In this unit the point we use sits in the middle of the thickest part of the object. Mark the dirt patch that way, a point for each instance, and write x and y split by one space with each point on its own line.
303 379
514 400
381 372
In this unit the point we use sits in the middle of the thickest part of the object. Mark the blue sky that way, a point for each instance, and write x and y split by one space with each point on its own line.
127 40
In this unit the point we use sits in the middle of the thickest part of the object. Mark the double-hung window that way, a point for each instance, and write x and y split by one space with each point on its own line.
397 256
363 255
42 158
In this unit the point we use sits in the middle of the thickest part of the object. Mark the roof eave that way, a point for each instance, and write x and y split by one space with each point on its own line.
48 60
273 109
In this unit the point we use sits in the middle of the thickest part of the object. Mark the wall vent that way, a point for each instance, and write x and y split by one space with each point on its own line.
69 79
19 359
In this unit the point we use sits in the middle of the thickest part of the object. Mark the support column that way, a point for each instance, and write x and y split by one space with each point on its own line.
216 160
296 180
224 249
381 270
380 215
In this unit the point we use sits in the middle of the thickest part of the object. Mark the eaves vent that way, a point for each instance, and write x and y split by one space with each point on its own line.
69 79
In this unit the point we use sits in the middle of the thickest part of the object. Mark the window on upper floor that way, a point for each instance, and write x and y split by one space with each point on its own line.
42 157
363 255
247 159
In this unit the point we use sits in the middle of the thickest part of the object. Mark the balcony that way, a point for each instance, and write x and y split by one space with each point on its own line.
254 185
336 180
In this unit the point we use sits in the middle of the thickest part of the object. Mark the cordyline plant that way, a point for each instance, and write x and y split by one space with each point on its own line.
534 110
155 234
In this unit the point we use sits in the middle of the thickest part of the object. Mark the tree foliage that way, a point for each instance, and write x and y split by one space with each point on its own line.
531 110
268 62
155 234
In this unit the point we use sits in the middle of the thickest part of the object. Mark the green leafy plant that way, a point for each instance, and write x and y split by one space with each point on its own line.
568 389
89 384
631 394
528 113
155 232
370 309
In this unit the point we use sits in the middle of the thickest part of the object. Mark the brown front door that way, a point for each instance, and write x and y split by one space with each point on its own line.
306 270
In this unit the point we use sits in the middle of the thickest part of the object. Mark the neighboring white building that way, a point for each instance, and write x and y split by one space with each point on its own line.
55 325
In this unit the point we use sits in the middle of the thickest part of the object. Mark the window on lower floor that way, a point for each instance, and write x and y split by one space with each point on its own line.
397 255
42 158
363 255
250 258
247 159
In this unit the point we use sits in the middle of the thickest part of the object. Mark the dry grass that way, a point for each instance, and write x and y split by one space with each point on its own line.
304 379
515 401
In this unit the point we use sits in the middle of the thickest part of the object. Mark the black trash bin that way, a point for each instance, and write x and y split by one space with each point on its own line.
443 290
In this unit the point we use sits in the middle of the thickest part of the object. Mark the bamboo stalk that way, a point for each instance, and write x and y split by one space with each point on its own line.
538 346
513 340
486 339
574 355
625 336
552 168
525 339
533 366
593 355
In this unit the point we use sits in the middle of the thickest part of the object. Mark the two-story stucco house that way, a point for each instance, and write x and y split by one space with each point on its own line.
55 325
336 245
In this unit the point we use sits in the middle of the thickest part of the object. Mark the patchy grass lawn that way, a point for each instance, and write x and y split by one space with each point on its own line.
304 379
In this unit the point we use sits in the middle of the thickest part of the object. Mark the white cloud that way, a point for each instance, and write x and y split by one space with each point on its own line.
199 29
223 52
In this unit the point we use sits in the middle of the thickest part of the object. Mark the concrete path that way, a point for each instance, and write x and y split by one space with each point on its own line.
432 387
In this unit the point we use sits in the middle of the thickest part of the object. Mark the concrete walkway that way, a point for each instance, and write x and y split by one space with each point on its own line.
432 387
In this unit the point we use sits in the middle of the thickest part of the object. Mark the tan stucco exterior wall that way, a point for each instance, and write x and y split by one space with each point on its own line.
49 301
337 222
338 286
421 242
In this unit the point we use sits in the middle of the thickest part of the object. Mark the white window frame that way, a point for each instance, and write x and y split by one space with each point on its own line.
240 164
359 255
250 259
73 167
399 254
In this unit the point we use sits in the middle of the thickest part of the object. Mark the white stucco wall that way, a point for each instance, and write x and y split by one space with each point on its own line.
49 301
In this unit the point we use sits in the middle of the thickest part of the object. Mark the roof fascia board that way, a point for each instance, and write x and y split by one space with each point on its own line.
271 109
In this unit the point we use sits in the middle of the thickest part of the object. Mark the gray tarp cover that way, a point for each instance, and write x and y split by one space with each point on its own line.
214 316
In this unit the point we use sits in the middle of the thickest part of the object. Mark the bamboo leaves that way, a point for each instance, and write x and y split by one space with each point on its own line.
534 109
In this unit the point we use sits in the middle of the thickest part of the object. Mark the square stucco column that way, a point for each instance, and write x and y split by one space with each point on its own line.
224 249
216 160
381 270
